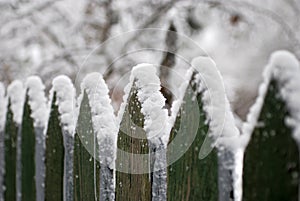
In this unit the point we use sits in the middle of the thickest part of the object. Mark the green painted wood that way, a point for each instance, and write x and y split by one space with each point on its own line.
132 187
54 161
28 188
189 178
10 156
86 166
271 162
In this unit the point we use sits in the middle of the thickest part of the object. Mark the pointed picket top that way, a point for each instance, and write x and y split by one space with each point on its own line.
284 68
39 112
16 95
16 100
223 131
156 122
86 151
3 107
222 128
271 144
287 74
103 117
27 149
142 121
144 78
247 127
105 127
188 135
152 101
54 153
15 103
64 117
133 153
65 100
37 101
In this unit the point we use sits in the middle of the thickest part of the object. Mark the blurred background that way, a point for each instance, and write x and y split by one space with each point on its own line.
50 38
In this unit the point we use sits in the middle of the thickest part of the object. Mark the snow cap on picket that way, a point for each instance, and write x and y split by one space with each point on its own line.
104 120
287 73
37 101
103 117
65 100
284 68
152 101
16 95
215 103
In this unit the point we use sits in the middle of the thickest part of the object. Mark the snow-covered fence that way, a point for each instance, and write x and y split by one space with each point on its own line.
72 148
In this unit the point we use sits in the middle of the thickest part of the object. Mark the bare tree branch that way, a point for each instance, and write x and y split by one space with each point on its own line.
21 14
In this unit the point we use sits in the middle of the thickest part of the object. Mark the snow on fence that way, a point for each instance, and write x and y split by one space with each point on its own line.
72 148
